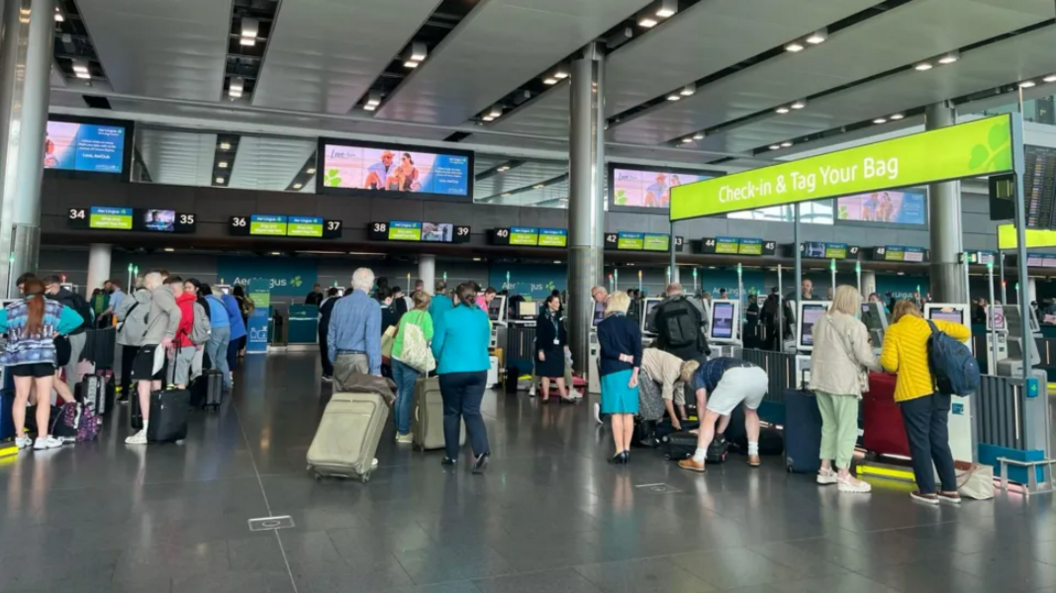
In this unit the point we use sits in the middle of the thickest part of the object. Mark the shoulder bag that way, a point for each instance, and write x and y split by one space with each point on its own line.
416 352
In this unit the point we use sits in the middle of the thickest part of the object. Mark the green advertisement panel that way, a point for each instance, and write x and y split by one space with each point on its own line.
978 148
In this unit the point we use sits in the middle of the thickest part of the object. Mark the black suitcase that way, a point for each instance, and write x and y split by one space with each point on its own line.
169 410
802 432
87 392
771 441
682 445
207 390
106 392
99 347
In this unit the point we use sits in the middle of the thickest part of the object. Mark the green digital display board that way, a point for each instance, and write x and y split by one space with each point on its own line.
631 241
267 225
974 149
103 217
305 226
520 235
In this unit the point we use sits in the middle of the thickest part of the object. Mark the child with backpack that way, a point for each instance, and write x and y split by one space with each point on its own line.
925 408
189 334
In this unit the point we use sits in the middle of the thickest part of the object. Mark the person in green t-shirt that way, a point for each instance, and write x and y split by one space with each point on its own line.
404 374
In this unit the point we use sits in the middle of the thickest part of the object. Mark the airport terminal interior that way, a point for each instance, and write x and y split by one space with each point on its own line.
758 154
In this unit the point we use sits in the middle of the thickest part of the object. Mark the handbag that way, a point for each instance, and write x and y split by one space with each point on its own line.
388 338
416 352
976 482
863 373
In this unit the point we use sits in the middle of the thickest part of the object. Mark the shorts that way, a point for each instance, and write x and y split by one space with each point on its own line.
739 384
37 370
63 351
143 365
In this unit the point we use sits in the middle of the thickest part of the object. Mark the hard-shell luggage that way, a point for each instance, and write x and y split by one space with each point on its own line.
885 434
207 390
771 441
169 410
106 393
683 445
802 432
88 392
427 424
348 436
100 346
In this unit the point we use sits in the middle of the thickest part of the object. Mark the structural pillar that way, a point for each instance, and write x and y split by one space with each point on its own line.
868 283
98 266
586 213
427 272
947 238
27 37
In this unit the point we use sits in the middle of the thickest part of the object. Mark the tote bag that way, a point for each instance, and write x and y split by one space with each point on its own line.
416 352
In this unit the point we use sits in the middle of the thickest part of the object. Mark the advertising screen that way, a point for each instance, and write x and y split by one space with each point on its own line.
370 169
159 220
84 147
647 189
103 217
884 207
438 232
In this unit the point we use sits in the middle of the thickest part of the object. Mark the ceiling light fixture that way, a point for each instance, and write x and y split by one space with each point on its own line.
698 136
220 180
880 120
775 147
688 90
225 146
169 249
369 107
488 118
506 195
250 29
80 69
646 20
275 253
786 144
896 116
476 259
794 47
539 186
782 110
418 52
799 104
667 8
549 81
236 87
1026 84
949 58
310 171
222 164
298 185
496 111
674 97
818 36
923 66
58 15
687 140
560 72
410 64
1050 78
503 169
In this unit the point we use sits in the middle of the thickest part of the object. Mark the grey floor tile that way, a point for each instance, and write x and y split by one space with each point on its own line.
844 583
1014 571
327 578
653 575
557 581
737 567
254 581
461 587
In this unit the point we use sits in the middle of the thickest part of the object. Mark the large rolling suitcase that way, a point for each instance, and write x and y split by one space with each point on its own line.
683 445
348 436
427 424
169 410
207 390
802 432
885 434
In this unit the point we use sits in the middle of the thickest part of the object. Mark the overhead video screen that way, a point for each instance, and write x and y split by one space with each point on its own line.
400 171
95 148
884 207
634 189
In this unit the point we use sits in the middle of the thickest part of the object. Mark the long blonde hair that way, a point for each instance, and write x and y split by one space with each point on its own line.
847 300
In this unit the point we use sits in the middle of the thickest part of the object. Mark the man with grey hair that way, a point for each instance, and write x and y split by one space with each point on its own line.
355 331
148 367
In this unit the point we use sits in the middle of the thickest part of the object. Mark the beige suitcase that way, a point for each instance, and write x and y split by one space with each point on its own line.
427 425
348 435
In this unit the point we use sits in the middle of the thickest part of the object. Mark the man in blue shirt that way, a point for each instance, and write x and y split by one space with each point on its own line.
354 331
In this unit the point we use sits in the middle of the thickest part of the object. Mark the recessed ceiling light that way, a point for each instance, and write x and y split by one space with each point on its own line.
275 253
476 259
647 21
373 98
418 52
550 80
310 171
799 104
222 164
688 90
496 111
560 73
506 195
250 26
1050 78
950 57
370 107
58 16
687 140
83 75
539 186
794 47
219 179
698 136
896 116
775 147
247 41
674 97
225 146
503 168
880 120
922 66
818 36
782 110
786 144
298 185
667 8
410 64
169 249
1026 84
488 118
557 261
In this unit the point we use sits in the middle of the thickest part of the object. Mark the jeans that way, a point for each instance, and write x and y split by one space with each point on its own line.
328 367
926 420
405 377
839 427
232 355
216 348
462 394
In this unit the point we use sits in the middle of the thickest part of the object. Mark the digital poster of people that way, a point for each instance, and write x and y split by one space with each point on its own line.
647 189
395 170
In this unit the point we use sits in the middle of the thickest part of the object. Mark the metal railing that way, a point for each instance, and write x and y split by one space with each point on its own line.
780 369
999 412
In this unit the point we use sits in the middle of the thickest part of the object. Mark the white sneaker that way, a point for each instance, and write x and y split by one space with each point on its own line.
826 477
404 438
328 379
597 413
531 391
48 442
854 486
23 442
140 438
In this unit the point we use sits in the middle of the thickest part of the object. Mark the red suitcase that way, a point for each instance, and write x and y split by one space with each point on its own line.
884 432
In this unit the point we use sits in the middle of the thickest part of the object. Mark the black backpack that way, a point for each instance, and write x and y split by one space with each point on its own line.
681 324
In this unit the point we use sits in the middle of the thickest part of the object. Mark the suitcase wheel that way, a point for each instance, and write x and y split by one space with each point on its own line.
364 478
318 477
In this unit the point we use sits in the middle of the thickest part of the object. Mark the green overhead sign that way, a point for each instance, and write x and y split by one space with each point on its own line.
978 148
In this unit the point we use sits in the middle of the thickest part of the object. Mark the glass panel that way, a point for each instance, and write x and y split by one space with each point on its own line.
514 182
817 212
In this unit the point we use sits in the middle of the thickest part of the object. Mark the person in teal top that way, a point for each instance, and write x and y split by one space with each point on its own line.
441 304
404 374
460 346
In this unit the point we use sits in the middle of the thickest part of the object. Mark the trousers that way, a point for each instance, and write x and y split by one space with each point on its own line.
839 427
926 420
462 394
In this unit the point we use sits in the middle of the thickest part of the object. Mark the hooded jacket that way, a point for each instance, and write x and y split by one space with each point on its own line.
183 332
164 316
132 312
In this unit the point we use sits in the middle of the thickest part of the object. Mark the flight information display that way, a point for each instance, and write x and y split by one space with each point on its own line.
280 225
414 231
529 237
1039 186
111 218
641 242
737 246
900 253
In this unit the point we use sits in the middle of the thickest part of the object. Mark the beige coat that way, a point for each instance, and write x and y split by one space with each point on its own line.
841 352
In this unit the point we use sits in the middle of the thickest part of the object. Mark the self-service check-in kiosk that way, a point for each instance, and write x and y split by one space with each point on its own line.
499 335
648 320
807 314
996 337
961 424
1020 350
593 368
875 319
223 288
724 335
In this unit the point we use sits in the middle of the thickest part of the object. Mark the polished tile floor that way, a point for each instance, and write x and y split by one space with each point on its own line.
549 516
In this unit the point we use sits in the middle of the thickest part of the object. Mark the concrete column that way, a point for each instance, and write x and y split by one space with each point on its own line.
947 237
427 272
868 283
586 213
98 266
26 43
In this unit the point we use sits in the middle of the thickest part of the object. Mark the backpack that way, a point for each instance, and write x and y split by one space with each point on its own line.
201 327
953 368
681 320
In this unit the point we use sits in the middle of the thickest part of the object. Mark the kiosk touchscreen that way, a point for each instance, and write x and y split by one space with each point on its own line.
724 327
648 320
497 308
527 310
807 314
875 319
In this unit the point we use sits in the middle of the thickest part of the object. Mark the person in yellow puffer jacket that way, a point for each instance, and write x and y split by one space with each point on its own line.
925 413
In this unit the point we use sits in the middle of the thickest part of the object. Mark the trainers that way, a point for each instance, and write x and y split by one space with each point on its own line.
924 498
826 477
140 438
531 391
328 378
950 497
48 442
597 413
754 461
404 438
692 465
853 486
23 442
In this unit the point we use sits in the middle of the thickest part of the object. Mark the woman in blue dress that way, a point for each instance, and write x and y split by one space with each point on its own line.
620 340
